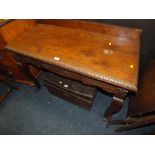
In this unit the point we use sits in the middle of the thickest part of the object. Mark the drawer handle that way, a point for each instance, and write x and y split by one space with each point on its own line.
65 85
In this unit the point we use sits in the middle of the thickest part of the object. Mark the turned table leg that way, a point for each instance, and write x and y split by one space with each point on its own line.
24 68
116 104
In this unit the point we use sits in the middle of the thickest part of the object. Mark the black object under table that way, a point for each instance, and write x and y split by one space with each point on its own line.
70 90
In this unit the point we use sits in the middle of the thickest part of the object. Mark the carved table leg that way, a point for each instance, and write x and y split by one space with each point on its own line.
26 71
116 104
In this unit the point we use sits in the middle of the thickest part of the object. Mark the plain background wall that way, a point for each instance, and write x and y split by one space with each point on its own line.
147 49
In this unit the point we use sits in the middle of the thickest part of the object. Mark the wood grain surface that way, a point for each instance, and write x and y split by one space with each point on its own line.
9 30
105 57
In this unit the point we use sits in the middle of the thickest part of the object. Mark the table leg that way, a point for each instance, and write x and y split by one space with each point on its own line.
26 71
116 104
11 86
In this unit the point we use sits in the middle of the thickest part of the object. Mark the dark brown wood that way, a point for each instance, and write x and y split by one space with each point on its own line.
144 101
26 71
66 73
141 109
101 56
11 86
9 30
71 90
116 104
73 86
103 28
2 42
119 93
94 57
138 122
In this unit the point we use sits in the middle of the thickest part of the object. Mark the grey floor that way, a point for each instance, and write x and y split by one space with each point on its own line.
26 111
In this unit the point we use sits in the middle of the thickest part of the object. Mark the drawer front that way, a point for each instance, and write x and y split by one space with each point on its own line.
71 86
82 102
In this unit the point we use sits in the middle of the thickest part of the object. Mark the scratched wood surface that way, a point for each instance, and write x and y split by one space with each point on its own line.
113 59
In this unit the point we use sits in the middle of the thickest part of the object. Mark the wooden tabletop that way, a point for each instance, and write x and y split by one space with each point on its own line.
104 57
4 21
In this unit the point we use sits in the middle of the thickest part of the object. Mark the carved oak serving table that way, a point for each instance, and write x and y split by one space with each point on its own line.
99 55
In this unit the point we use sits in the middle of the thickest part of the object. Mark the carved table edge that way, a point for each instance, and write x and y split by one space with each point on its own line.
84 72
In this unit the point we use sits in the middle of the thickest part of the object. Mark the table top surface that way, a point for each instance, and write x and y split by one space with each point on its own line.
4 21
104 57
